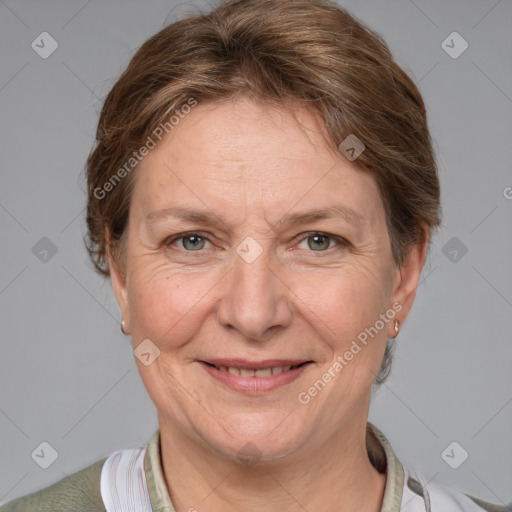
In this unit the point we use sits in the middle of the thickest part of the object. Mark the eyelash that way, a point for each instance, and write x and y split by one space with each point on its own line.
299 238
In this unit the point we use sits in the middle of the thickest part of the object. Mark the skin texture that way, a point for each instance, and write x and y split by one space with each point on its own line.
250 165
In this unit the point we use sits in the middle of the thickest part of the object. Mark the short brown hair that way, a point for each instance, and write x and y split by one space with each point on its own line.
280 51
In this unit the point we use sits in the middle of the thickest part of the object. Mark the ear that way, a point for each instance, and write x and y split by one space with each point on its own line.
407 281
118 280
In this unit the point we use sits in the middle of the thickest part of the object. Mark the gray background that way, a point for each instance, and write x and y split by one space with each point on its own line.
68 375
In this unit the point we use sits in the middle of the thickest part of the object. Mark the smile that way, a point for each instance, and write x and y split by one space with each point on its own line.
264 372
254 378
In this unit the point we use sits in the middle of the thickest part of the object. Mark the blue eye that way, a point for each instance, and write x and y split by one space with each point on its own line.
316 241
321 242
190 241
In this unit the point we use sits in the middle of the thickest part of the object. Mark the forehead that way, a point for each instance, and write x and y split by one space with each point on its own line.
238 132
247 156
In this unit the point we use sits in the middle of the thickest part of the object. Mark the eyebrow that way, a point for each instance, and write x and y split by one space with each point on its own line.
208 218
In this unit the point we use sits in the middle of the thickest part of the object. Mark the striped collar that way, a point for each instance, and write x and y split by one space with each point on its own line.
133 481
378 447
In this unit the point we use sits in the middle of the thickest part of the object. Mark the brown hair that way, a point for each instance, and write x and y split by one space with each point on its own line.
308 51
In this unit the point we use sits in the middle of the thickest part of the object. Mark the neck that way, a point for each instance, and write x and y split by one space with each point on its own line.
335 475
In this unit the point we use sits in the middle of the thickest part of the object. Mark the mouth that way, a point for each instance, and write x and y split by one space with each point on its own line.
257 372
254 377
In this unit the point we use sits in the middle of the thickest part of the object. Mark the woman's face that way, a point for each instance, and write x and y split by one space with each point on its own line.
253 246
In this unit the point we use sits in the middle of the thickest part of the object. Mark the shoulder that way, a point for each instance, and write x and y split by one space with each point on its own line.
79 492
408 491
491 507
441 498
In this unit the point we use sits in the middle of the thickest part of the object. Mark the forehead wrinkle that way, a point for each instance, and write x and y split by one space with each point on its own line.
204 217
210 218
332 212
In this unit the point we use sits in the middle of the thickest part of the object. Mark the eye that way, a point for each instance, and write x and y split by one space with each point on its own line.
316 241
321 242
189 241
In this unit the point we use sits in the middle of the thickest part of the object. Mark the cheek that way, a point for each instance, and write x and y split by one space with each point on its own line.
344 310
341 304
166 304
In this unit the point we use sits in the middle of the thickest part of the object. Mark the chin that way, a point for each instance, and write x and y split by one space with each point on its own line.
256 437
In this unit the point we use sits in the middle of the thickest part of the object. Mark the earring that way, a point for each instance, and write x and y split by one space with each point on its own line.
123 330
397 326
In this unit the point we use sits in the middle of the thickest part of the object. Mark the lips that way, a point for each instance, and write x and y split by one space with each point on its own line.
255 376
243 364
255 372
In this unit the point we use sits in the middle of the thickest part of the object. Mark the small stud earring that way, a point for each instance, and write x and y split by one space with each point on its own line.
397 326
123 330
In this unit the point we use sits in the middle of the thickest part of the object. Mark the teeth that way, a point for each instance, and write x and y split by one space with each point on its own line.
267 372
263 372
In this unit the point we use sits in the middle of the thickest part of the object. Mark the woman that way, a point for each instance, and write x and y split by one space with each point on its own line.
262 195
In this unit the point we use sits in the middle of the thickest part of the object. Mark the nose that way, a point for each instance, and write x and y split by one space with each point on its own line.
255 299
